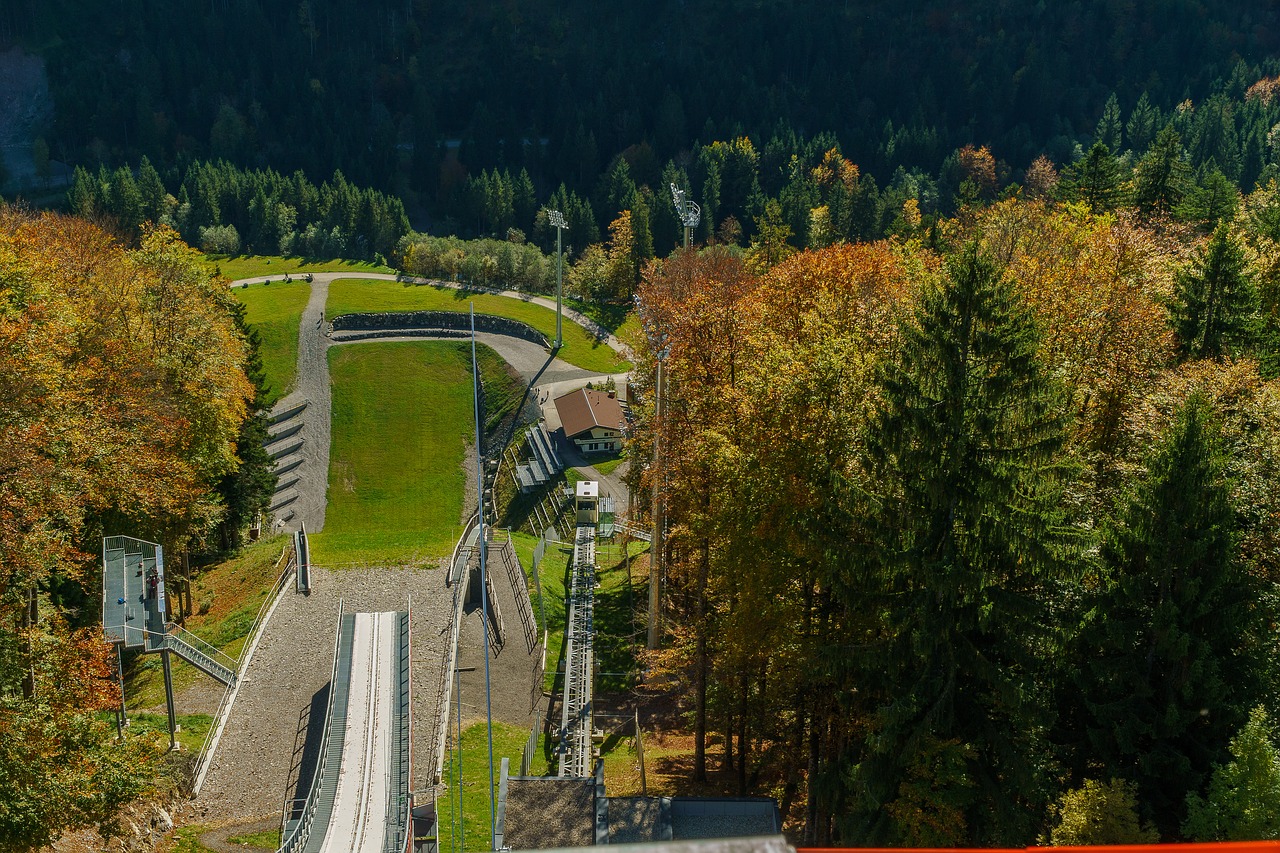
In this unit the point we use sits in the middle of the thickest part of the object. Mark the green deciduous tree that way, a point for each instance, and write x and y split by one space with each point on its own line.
1243 800
1100 813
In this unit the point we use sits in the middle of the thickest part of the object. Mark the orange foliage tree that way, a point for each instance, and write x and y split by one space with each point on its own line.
122 391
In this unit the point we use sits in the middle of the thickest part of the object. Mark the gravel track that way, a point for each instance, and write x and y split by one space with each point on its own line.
254 765
255 769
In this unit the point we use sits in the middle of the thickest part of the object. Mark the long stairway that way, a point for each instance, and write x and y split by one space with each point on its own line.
199 654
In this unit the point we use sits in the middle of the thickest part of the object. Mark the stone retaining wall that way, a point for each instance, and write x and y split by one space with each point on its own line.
444 320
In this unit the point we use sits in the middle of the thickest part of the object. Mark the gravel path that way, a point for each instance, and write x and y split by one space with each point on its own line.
581 319
255 764
259 761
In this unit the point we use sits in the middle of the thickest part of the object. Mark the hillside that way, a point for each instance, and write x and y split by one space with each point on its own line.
379 89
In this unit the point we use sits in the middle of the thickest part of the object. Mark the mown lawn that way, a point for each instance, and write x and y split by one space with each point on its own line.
367 296
274 311
402 421
238 267
508 742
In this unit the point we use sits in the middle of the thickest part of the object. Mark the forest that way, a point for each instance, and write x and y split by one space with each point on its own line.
414 99
972 532
972 404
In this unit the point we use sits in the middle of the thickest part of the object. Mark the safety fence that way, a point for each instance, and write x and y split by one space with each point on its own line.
457 570
289 559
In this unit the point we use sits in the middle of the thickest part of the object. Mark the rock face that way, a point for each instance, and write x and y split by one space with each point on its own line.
26 106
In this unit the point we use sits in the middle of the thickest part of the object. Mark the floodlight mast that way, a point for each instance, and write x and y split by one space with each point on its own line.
688 211
556 218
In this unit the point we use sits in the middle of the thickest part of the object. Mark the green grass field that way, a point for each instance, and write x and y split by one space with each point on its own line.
402 420
365 296
274 311
508 742
238 267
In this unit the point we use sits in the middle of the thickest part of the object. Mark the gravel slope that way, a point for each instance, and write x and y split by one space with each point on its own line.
252 768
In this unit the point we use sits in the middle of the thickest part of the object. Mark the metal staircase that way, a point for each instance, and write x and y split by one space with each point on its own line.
576 715
199 654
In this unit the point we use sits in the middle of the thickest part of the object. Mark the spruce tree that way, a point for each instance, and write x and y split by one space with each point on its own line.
1095 180
1214 306
247 491
1171 670
967 448
1109 126
1162 175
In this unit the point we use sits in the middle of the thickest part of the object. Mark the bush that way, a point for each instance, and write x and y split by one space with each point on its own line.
1100 813
220 240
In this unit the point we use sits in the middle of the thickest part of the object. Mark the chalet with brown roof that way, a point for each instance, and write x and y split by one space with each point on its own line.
592 420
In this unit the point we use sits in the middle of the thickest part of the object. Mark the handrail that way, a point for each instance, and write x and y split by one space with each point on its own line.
302 831
229 693
204 647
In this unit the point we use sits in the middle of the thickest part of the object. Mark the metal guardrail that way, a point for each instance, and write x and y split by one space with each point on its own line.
289 558
295 839
457 566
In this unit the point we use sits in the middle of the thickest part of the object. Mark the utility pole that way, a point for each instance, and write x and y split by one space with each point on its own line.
656 545
556 218
688 211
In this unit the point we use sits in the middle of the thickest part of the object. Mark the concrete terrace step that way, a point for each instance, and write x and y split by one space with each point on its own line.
291 412
291 428
286 483
285 450
284 498
285 465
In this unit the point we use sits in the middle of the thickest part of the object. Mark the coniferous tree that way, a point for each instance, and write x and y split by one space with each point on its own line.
152 190
1171 671
972 543
1214 306
1213 198
1162 175
1095 180
1143 123
247 491
1109 126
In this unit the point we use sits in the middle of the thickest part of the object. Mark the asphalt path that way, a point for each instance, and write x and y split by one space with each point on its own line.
312 386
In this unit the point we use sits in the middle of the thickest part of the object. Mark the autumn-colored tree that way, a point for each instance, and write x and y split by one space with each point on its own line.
694 300
122 389
1041 179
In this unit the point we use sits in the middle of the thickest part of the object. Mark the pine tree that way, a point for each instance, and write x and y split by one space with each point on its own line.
1171 672
972 540
1214 306
1095 180
1162 175
1109 126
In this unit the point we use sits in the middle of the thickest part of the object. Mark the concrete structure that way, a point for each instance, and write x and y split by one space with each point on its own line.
592 420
